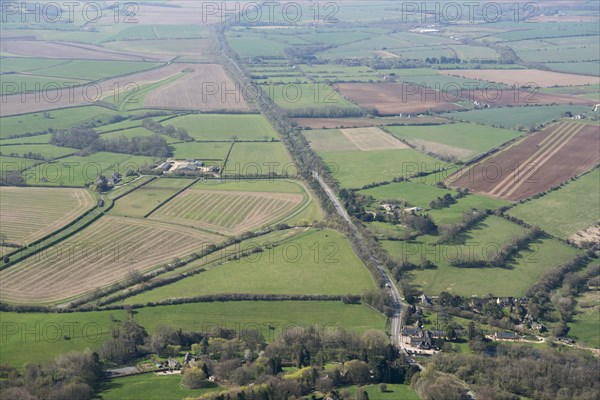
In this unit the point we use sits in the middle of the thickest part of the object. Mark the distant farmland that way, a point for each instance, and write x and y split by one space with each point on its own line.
103 253
27 214
524 76
534 164
80 96
395 98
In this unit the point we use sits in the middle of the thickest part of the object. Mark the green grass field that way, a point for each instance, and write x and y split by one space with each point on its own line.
45 150
259 159
77 69
308 263
225 127
143 200
514 280
585 327
13 164
89 330
567 210
201 150
57 119
584 68
358 168
416 194
133 132
453 214
393 392
252 45
149 387
511 117
460 140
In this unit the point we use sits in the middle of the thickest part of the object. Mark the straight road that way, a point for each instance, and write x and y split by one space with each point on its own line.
397 300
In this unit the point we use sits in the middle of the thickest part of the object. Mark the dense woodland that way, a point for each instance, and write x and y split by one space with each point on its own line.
88 141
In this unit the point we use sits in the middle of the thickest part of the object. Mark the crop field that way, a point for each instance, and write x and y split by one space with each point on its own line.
512 280
393 98
145 199
225 127
328 140
524 76
192 92
545 159
358 168
251 159
311 262
227 212
59 98
77 170
27 214
554 212
371 139
101 254
514 117
459 140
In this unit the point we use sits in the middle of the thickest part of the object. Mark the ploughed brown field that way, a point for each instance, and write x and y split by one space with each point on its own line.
206 87
396 98
534 164
524 76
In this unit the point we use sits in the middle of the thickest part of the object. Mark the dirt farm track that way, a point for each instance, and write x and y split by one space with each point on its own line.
534 164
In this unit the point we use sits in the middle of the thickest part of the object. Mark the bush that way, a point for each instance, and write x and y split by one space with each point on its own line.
194 378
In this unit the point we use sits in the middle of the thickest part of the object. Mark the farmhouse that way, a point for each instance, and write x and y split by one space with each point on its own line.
420 339
187 167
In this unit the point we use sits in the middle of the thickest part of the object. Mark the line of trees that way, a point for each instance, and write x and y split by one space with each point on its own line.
500 256
169 130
